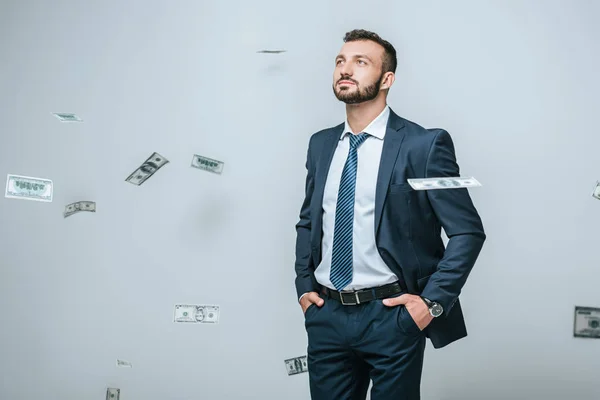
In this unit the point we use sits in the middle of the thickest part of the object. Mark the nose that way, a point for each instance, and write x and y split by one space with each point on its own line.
345 71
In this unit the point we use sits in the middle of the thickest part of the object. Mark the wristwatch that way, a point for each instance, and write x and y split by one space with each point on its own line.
435 309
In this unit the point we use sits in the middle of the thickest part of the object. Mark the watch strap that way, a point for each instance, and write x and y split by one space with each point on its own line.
427 301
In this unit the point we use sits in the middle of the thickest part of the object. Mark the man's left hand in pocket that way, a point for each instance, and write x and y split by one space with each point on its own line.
415 306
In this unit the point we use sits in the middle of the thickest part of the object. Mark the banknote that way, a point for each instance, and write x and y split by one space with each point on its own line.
296 365
29 188
596 192
67 117
271 51
79 206
587 322
205 314
207 164
443 183
147 169
121 363
113 393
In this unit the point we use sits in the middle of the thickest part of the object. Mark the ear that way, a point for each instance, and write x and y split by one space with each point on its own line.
388 80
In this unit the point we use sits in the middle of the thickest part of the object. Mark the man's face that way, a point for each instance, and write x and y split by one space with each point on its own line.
358 72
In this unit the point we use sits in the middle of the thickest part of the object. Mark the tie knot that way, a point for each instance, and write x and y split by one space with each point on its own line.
357 140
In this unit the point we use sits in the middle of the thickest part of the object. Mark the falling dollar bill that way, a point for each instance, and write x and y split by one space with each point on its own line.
78 206
205 314
596 192
29 188
113 393
271 51
207 164
147 169
296 365
125 364
67 117
443 183
587 322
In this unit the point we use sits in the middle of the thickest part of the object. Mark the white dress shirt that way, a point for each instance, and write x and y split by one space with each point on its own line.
369 269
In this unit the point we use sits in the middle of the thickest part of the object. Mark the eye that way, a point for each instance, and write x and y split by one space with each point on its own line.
361 62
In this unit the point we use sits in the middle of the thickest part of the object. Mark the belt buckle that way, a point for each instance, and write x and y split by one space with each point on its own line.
349 304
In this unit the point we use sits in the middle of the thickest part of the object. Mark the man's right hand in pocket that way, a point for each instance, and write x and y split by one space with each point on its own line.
309 298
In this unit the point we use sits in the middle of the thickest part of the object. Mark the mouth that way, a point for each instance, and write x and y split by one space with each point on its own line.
345 83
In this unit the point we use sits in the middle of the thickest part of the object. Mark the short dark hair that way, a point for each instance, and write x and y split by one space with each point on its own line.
389 56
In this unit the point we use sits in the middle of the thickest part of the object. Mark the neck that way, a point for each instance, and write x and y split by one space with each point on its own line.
362 114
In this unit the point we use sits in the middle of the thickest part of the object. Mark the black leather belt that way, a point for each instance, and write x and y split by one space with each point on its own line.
352 298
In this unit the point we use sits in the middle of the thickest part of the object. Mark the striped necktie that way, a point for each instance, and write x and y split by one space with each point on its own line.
341 258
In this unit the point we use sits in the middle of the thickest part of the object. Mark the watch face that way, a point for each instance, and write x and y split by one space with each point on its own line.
436 310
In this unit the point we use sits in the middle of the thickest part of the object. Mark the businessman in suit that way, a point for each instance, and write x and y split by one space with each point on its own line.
373 277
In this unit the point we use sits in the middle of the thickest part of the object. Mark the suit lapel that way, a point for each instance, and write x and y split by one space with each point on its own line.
394 136
326 156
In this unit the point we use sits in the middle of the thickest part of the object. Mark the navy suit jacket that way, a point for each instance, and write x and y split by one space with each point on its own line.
407 222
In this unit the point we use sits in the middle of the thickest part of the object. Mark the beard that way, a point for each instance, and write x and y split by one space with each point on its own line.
359 95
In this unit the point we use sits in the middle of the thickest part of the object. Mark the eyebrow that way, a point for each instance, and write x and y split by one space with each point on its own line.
356 56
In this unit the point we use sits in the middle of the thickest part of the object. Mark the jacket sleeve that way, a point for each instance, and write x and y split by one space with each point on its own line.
305 281
457 215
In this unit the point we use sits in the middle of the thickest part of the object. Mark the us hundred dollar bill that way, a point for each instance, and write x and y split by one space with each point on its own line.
204 314
271 51
296 365
79 206
596 192
124 364
29 188
207 164
67 117
147 169
113 393
443 183
587 322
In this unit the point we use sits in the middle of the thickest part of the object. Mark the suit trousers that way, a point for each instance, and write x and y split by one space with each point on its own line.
349 345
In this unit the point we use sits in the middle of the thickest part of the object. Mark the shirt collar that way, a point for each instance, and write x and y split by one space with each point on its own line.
376 128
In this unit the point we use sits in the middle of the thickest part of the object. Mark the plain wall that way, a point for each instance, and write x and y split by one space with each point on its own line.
514 82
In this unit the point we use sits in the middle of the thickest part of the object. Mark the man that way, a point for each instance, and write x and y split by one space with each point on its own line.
373 277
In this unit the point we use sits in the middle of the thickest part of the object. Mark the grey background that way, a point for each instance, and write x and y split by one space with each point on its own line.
514 82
